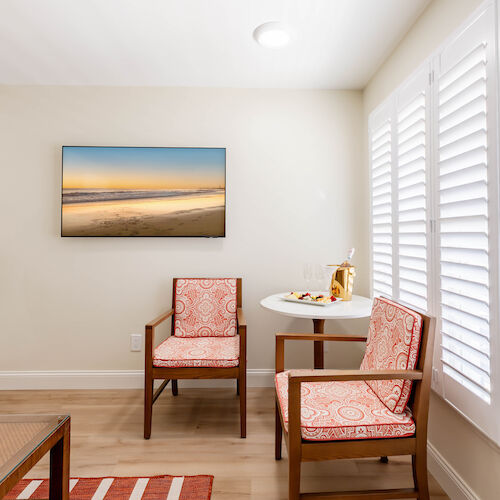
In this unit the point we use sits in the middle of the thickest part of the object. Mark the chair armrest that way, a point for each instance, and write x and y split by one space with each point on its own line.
242 332
240 318
299 376
281 337
150 334
321 337
159 319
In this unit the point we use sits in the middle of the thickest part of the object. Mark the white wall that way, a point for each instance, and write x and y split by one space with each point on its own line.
293 169
465 451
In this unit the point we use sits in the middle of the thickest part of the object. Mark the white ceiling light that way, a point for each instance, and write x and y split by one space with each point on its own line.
273 35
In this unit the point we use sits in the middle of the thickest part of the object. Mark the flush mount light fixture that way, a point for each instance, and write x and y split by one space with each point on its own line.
274 35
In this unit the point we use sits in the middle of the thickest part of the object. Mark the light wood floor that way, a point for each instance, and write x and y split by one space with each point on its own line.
195 433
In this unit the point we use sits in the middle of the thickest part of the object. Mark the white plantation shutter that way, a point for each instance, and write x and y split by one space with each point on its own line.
435 212
399 137
381 190
412 115
466 154
463 219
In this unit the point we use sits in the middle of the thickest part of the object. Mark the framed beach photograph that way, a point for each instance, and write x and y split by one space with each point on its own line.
143 191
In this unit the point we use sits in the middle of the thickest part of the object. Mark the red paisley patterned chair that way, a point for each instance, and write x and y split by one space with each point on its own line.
376 411
208 340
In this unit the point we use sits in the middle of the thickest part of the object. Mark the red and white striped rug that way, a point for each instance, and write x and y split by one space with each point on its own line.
122 488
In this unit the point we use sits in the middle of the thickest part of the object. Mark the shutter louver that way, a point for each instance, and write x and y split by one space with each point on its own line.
381 172
463 222
412 210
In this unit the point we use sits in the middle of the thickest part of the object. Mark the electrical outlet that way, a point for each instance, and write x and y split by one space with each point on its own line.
136 342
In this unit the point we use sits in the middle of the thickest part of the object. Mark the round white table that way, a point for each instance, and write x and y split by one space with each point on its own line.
358 307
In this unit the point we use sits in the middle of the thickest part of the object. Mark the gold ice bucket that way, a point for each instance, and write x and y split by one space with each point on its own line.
342 282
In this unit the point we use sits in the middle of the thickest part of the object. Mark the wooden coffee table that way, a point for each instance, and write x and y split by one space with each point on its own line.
24 440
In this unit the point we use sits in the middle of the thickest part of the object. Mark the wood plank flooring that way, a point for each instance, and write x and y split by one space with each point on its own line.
196 432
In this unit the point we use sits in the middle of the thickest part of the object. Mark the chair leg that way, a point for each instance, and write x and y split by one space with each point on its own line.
419 464
175 389
278 435
293 476
384 460
243 403
148 406
237 387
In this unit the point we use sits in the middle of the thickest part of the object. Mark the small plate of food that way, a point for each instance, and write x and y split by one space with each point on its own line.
313 298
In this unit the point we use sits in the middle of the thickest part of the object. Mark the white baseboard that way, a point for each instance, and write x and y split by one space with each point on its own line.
451 482
110 379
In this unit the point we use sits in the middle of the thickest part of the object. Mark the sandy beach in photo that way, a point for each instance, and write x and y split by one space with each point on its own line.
178 216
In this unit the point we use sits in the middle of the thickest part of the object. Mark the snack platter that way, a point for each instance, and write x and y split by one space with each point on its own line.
321 299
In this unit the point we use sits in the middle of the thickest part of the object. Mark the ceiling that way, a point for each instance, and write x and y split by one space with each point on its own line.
337 44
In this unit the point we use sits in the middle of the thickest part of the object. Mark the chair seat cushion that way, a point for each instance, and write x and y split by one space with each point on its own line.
333 411
213 352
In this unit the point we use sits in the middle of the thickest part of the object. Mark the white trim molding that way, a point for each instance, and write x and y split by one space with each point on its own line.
111 379
447 477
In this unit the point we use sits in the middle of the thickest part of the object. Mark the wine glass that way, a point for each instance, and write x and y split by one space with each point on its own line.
308 270
330 270
319 275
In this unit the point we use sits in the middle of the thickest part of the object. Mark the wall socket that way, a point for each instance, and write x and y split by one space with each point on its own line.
136 342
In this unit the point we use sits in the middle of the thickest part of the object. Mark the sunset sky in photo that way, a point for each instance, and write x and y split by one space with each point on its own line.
143 168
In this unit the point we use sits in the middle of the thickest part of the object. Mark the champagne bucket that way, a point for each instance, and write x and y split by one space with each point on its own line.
342 282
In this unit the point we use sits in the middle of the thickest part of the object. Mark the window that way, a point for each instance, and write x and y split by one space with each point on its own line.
399 158
435 226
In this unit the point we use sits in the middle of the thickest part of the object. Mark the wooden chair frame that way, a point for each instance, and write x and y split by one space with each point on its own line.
173 374
300 450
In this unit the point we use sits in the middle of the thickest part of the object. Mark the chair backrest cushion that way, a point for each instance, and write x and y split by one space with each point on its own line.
393 344
205 307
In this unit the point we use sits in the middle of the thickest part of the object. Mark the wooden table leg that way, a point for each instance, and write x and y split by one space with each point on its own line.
319 359
59 468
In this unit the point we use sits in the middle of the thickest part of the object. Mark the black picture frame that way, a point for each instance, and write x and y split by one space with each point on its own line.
221 235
